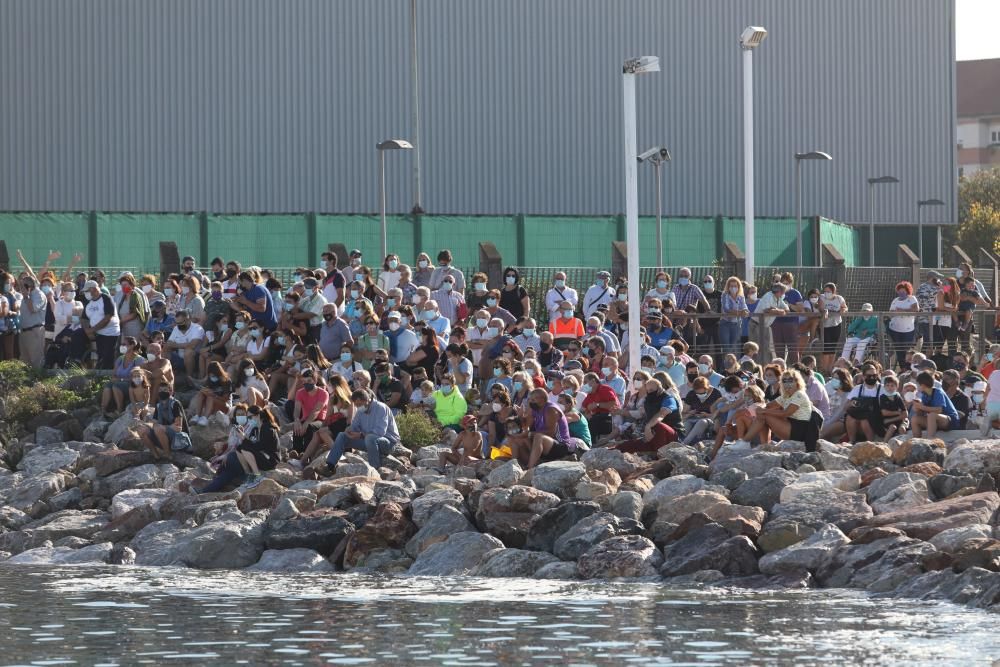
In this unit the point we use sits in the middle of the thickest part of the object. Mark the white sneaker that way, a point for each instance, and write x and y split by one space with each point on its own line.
203 421
741 444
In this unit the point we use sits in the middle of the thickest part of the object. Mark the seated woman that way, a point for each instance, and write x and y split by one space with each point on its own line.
789 417
742 418
218 343
118 389
631 414
237 431
838 388
169 429
699 402
493 419
339 413
932 410
733 399
466 447
250 386
578 425
213 397
660 422
422 398
257 453
287 367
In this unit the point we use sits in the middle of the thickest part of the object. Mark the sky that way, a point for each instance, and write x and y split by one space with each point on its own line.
976 25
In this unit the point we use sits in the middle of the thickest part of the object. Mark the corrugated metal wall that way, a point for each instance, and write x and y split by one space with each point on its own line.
275 105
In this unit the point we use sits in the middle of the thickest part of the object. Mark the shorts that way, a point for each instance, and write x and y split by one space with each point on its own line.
831 338
799 429
120 385
560 450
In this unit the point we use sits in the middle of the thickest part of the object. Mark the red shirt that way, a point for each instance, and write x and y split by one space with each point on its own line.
308 402
603 394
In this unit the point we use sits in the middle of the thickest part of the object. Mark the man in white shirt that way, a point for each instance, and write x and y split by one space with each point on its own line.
312 303
559 293
103 326
479 335
404 340
184 344
598 293
528 336
772 303
435 320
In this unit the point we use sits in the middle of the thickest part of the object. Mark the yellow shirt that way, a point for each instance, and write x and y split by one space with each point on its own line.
800 399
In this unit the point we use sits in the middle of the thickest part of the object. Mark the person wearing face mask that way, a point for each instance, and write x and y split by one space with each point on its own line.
426 355
133 306
862 408
169 430
528 336
734 310
932 409
772 386
860 333
450 302
565 327
387 388
191 300
951 383
311 308
661 287
706 370
311 402
403 341
964 271
29 326
990 361
422 271
230 280
69 342
256 300
599 405
444 270
514 297
334 333
216 309
372 340
159 321
698 405
249 386
213 397
548 356
100 324
902 328
434 318
480 335
600 293
475 296
188 270
449 404
459 366
373 429
685 293
116 391
625 419
237 432
184 343
559 295
892 410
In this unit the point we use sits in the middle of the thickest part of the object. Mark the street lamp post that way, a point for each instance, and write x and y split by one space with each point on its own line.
630 69
872 182
799 157
920 223
750 38
415 112
382 147
656 156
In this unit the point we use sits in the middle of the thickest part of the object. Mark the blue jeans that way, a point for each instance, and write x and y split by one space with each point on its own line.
902 341
729 337
375 445
230 472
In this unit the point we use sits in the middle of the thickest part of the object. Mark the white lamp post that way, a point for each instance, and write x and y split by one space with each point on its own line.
920 223
799 157
418 193
872 182
750 39
656 156
630 69
382 147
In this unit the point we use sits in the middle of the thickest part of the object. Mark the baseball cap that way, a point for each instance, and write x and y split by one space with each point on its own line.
355 253
668 351
89 285
934 274
310 282
867 307
393 315
925 365
603 274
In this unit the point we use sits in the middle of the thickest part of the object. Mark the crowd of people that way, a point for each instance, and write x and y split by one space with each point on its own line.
339 352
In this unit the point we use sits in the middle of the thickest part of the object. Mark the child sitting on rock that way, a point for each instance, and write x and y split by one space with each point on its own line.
892 408
466 447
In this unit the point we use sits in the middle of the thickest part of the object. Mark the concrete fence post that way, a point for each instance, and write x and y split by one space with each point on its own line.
908 258
491 263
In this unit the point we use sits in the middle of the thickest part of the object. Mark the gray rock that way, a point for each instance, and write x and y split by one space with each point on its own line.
54 527
426 505
925 521
974 587
731 478
95 430
952 540
754 464
401 491
457 555
602 458
31 492
129 499
95 553
684 459
503 563
48 435
507 475
676 510
625 504
126 427
897 491
348 496
66 500
945 484
710 547
49 458
561 570
149 476
809 554
764 491
12 519
554 523
793 522
291 560
621 556
322 530
590 531
215 544
558 477
974 457
445 522
861 562
834 461
672 487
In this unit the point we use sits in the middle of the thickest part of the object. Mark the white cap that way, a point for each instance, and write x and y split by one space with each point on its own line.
89 285
979 386
867 307
668 350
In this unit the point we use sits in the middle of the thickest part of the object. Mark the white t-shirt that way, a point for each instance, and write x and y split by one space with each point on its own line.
388 280
833 305
194 332
474 334
257 345
63 312
903 323
96 312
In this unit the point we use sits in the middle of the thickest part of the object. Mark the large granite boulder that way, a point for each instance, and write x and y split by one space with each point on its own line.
388 528
925 521
558 477
291 560
897 491
710 547
458 555
425 506
809 554
551 525
792 522
224 544
504 563
764 491
621 556
444 523
590 531
321 529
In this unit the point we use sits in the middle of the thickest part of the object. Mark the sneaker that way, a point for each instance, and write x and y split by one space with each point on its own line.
254 481
741 444
203 421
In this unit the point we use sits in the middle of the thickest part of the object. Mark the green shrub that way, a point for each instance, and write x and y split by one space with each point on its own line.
417 430
26 403
16 374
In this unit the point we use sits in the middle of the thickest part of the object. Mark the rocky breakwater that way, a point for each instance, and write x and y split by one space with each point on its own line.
908 517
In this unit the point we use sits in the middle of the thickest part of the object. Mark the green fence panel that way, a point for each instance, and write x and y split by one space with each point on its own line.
364 232
264 240
36 234
686 241
569 241
462 234
133 239
842 237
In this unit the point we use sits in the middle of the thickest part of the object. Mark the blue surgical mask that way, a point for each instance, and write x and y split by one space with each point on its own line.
662 284
403 321
490 303
354 294
393 263
560 284
989 356
346 357
623 297
703 368
492 332
835 383
390 303
567 314
497 372
510 280
684 282
446 389
481 323
296 277
359 277
447 286
518 386
529 333
289 306
46 289
241 419
480 287
240 325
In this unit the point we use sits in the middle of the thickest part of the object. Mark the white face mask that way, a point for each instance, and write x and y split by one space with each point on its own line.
637 384
909 396
496 407
146 289
151 357
122 349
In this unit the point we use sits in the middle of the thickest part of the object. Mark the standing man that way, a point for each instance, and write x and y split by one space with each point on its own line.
32 338
559 294
102 325
597 294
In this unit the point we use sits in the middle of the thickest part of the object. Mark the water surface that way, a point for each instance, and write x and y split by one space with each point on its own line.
137 616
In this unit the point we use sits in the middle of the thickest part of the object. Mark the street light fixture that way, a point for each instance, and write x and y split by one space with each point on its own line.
751 38
415 112
872 182
656 156
920 223
630 69
799 157
382 147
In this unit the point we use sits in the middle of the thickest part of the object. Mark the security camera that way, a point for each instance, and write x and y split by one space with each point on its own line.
654 154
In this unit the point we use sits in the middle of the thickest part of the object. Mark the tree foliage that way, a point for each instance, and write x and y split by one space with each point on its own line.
979 212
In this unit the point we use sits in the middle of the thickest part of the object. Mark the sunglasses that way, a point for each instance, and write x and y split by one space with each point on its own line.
788 381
